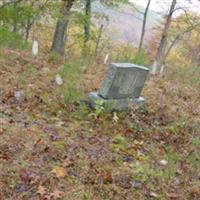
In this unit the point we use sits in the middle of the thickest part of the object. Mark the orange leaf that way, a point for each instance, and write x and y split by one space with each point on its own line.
60 172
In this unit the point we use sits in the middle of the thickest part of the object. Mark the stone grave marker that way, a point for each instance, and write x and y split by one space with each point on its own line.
121 87
35 48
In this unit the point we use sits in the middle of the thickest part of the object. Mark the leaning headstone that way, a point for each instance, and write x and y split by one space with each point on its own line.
121 87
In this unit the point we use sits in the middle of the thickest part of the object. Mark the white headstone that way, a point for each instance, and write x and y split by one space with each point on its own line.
35 48
59 79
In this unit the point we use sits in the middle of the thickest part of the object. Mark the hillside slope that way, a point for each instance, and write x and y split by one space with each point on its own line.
125 23
53 149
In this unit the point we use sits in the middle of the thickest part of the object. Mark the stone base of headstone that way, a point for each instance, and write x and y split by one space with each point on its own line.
114 104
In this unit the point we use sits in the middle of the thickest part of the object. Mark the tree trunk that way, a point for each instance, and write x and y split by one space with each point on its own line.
143 29
87 22
162 70
28 27
160 56
98 40
15 17
61 26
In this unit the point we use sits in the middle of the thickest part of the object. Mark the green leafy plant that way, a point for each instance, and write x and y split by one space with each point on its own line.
99 108
141 59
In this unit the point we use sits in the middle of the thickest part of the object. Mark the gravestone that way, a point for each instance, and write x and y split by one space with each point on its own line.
121 87
35 48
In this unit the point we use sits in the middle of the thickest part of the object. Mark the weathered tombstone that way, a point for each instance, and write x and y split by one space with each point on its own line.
121 87
19 96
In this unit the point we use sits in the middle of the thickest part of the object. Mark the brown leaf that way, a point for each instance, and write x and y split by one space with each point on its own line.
153 194
195 191
26 175
38 142
68 163
1 131
56 194
172 195
106 177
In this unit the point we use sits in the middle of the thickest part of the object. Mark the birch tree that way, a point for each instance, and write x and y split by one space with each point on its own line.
159 60
143 29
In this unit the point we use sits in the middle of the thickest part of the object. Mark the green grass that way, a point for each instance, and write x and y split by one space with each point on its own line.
70 74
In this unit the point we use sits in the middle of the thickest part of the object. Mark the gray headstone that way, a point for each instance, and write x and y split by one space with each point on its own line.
123 80
19 96
121 87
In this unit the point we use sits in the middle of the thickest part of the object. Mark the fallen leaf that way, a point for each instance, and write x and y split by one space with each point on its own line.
41 190
195 191
106 177
1 131
172 195
153 194
56 194
68 163
39 141
26 176
60 172
115 118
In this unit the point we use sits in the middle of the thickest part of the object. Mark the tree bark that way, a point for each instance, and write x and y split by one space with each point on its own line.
87 22
160 56
61 26
143 29
98 40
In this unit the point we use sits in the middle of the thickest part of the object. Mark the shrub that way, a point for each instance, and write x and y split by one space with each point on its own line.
141 59
11 40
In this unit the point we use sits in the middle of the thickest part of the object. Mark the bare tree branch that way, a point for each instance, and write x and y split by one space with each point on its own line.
139 11
9 3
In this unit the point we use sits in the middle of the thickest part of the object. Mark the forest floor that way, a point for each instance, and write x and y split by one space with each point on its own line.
50 149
